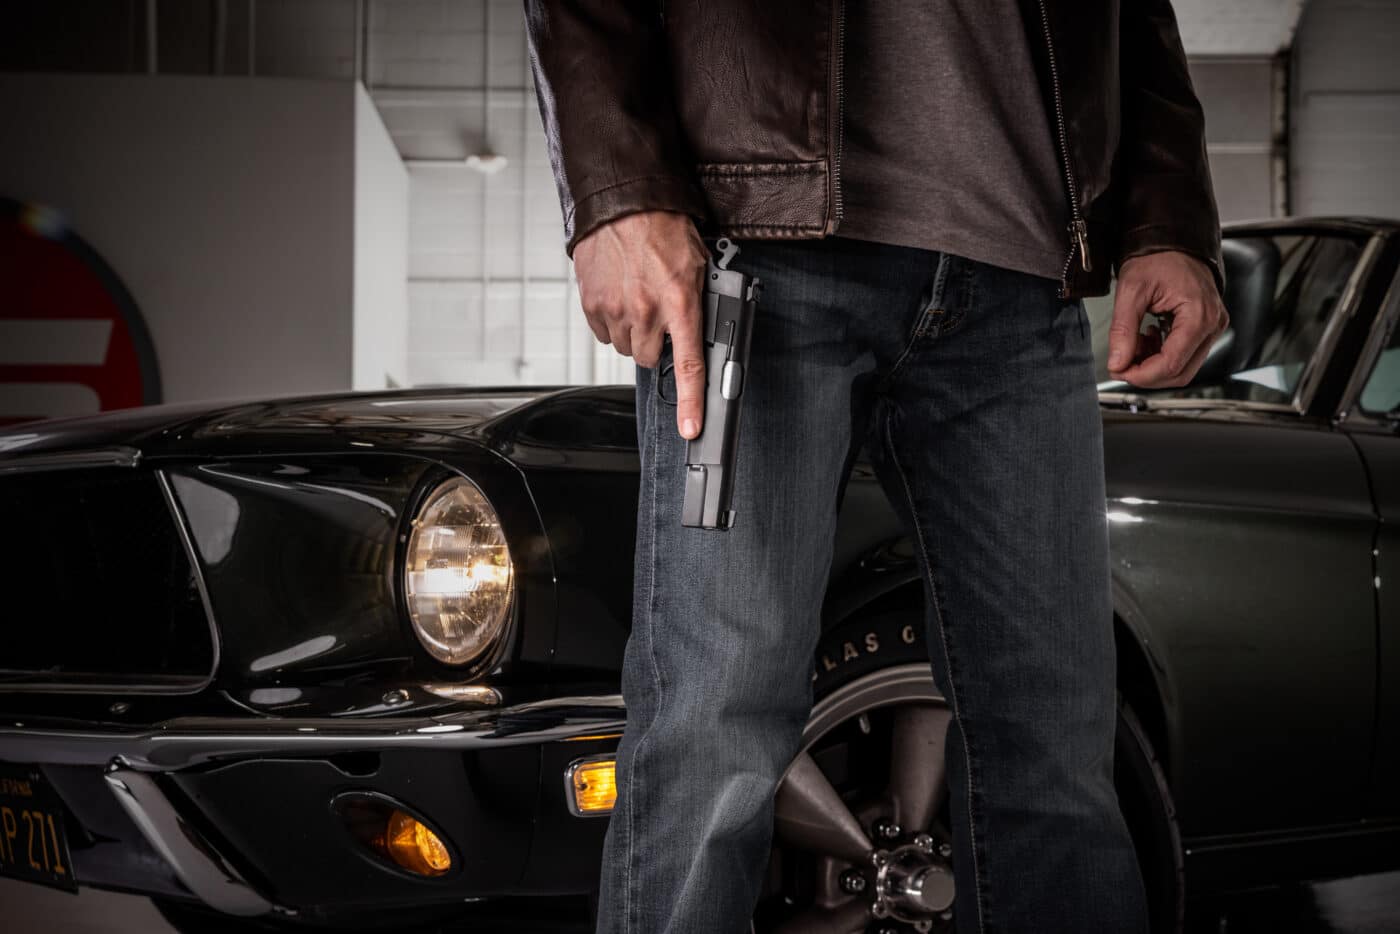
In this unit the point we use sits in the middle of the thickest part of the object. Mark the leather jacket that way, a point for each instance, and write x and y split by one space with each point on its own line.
731 111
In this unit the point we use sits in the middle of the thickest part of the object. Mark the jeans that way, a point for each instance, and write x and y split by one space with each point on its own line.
971 389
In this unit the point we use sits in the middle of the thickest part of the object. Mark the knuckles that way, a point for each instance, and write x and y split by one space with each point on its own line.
690 367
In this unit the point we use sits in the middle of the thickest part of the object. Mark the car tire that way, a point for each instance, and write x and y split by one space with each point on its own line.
861 649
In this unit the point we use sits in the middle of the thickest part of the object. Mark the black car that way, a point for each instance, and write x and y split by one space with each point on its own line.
352 661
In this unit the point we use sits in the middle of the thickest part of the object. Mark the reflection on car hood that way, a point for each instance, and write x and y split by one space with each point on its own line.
365 418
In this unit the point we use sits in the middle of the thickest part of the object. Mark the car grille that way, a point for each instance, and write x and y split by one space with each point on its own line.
96 586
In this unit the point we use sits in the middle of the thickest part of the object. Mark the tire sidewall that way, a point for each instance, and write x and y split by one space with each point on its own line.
860 647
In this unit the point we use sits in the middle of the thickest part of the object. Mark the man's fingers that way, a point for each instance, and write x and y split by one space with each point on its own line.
688 358
646 347
1129 305
599 327
1189 339
622 337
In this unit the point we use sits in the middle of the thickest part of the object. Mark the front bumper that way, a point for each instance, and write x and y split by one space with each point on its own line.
238 810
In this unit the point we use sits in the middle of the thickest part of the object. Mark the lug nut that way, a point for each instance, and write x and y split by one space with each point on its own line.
924 842
852 882
945 850
886 829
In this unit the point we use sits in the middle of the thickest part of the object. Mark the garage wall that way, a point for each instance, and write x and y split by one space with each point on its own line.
490 295
380 335
1345 108
228 208
1243 132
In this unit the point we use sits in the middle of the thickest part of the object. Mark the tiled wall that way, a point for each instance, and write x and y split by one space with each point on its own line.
489 291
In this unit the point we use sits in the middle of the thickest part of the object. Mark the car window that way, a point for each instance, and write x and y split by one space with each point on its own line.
1381 394
1280 291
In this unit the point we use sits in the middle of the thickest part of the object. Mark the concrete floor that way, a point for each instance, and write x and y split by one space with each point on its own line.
1367 905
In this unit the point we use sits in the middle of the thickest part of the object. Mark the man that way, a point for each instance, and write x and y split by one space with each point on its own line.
926 190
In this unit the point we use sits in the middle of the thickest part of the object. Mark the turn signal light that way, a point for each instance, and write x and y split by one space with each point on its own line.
412 845
592 786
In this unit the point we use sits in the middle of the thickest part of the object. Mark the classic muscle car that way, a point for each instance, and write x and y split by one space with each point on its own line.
352 661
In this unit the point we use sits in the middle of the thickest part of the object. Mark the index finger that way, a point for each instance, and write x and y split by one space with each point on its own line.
688 360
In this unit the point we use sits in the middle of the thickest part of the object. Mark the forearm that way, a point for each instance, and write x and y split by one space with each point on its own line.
1168 200
604 90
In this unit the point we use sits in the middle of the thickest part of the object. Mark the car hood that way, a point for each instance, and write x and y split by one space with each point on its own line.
265 425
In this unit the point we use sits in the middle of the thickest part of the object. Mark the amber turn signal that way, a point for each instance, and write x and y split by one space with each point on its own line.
592 785
411 844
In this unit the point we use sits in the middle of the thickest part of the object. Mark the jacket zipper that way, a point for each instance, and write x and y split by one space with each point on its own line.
839 121
1078 228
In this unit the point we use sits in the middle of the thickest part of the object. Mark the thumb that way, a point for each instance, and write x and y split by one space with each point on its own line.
688 358
1129 305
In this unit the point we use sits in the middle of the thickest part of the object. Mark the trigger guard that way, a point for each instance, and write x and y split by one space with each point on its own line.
660 378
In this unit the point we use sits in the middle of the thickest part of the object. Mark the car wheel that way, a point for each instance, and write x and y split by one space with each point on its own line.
863 808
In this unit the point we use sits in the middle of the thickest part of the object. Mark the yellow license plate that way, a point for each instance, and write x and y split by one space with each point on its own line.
33 846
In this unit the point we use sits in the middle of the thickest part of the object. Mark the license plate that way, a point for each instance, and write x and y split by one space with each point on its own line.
32 843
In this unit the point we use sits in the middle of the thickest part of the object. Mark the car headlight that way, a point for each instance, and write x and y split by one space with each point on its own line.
458 576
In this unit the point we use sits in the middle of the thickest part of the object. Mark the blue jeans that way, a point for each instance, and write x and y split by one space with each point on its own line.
971 388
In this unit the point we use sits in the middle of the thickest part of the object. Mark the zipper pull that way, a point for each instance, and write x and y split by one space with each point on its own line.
1081 237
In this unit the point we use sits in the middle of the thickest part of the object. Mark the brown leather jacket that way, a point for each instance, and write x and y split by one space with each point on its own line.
730 111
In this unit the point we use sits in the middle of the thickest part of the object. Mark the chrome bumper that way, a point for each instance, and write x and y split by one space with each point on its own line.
194 860
188 741
129 759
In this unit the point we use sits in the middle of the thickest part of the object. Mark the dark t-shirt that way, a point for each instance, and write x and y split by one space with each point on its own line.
948 145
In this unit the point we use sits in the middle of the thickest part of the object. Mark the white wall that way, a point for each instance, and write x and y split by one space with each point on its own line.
234 212
381 254
1346 108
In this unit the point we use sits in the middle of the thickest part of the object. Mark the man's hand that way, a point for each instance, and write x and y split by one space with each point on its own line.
1173 284
640 278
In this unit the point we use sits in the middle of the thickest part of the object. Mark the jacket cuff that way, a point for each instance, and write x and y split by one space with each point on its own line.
643 193
1164 238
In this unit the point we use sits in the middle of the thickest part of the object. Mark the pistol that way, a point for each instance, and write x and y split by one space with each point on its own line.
730 299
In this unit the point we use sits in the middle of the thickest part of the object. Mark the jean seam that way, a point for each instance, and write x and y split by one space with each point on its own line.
947 659
957 311
926 315
655 668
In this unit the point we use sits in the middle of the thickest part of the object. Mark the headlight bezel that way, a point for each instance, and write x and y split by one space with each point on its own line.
430 489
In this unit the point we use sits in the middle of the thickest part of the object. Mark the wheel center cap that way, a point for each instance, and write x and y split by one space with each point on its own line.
911 884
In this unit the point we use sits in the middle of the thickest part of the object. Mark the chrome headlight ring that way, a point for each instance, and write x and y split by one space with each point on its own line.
458 575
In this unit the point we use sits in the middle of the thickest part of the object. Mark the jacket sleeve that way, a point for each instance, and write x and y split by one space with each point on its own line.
603 83
1168 201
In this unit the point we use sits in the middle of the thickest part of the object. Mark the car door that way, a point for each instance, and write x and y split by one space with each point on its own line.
1242 527
1372 418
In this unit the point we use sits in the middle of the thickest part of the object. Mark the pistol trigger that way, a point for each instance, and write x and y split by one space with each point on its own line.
728 250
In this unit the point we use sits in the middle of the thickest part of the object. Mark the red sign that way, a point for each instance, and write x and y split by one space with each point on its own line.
72 341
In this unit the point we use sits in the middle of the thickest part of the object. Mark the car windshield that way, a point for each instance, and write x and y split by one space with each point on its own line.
1381 394
1280 291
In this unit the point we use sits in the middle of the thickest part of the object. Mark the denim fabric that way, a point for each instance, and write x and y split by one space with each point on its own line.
972 389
